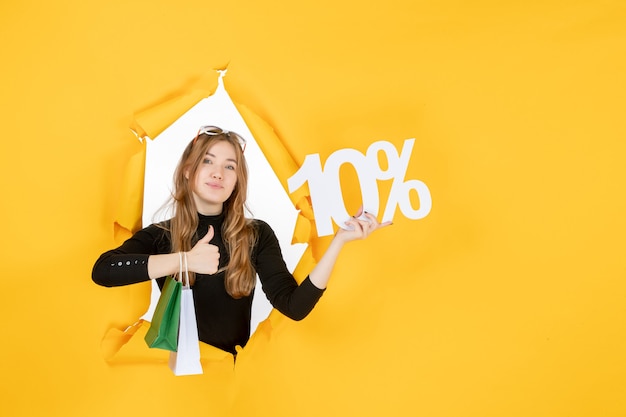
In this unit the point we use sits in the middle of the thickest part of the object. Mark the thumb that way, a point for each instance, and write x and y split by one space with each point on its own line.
207 238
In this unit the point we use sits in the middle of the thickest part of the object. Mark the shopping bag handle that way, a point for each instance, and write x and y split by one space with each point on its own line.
185 285
180 267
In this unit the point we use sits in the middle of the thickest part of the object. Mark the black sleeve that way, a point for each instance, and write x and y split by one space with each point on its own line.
282 290
128 264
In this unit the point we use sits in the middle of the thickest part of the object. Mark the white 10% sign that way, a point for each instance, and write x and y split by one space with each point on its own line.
325 187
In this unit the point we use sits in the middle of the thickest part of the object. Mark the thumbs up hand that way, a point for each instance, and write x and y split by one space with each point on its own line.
204 258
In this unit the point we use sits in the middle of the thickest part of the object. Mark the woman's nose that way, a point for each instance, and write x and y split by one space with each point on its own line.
217 173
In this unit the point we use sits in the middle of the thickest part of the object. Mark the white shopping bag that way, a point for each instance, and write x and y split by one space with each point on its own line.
186 360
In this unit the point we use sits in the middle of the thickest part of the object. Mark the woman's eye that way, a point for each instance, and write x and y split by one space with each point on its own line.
207 161
231 167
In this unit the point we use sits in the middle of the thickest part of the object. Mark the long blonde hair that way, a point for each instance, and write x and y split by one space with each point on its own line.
237 231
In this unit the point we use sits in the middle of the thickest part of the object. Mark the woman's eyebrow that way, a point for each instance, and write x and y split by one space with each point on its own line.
228 159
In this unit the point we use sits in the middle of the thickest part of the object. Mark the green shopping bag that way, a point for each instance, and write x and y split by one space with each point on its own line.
163 331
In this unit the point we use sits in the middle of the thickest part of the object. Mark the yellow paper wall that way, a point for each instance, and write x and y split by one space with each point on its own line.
509 299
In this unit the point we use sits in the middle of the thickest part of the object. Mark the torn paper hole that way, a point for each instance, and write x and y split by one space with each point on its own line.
267 199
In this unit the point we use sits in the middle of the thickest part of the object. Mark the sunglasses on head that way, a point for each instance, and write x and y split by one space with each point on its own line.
216 131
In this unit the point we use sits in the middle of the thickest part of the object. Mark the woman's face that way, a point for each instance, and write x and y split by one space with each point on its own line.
215 178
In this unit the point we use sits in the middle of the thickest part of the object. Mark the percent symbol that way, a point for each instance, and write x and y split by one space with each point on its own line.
400 189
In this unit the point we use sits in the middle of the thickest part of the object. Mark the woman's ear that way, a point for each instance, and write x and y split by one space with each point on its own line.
187 174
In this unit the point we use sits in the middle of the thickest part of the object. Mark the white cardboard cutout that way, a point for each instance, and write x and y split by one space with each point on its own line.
325 187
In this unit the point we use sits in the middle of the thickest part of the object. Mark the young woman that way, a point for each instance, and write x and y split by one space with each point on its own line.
224 249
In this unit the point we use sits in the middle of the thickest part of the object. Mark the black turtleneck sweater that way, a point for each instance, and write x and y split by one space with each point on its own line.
223 321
